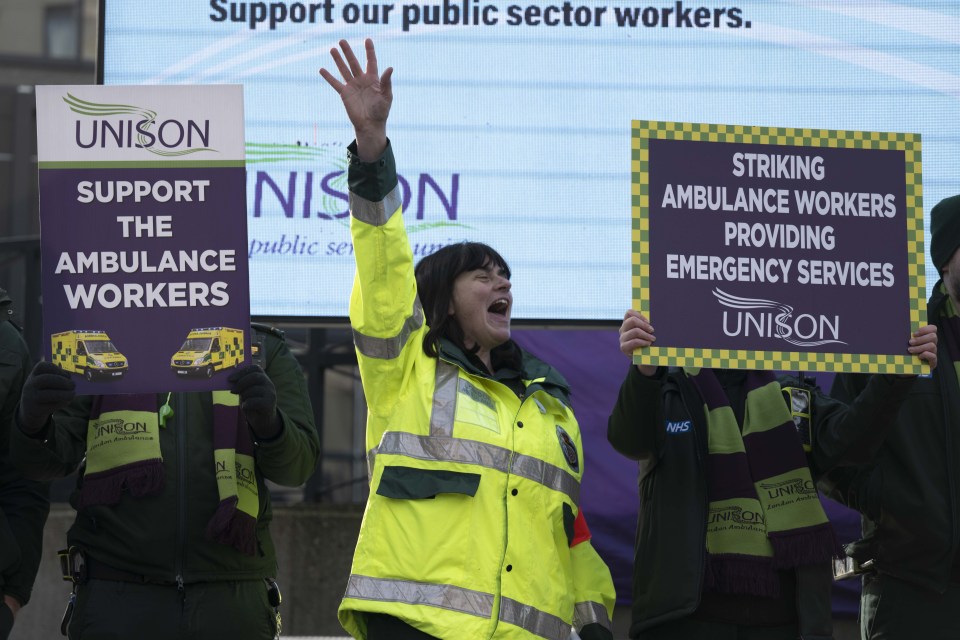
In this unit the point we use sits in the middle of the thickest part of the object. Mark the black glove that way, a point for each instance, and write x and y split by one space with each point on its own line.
47 388
258 400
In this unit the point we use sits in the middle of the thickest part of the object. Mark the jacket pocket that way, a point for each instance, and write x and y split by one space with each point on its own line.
408 483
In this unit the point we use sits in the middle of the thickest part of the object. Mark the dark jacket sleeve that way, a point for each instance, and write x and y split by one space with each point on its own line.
57 450
24 504
635 427
291 457
850 429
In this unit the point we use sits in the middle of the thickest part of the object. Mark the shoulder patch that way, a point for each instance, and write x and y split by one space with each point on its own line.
569 449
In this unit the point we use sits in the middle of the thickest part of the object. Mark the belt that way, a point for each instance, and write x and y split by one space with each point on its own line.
96 570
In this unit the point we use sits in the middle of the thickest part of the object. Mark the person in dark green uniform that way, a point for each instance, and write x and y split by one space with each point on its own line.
732 542
173 541
24 504
909 495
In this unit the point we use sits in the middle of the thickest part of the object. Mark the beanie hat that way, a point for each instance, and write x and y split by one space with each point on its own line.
944 230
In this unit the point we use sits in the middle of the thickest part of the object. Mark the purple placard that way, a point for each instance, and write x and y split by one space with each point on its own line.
776 255
125 282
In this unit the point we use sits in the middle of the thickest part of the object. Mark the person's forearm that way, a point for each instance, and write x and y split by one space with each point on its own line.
371 142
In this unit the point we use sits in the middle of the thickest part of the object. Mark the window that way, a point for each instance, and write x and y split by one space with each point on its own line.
61 31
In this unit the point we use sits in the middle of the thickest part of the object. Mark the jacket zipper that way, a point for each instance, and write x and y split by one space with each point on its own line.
699 428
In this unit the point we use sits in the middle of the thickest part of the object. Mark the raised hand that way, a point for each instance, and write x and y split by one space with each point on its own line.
366 95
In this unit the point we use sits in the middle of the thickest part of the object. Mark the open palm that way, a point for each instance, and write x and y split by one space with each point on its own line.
366 95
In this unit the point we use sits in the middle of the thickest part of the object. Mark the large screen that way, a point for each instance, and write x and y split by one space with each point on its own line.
511 120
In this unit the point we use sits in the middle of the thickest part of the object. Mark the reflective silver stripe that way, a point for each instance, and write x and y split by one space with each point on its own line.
590 613
444 399
476 394
390 348
547 475
537 622
444 596
375 213
447 449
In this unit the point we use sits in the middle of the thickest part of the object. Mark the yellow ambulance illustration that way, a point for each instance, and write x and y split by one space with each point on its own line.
90 353
208 350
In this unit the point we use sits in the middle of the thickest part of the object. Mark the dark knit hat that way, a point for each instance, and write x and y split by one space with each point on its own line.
944 230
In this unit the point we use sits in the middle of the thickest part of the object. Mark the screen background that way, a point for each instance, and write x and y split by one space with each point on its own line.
519 135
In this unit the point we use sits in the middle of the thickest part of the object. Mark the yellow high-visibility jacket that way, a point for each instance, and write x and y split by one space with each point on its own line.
473 527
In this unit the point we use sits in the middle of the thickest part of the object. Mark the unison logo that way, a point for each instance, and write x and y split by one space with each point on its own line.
771 319
107 126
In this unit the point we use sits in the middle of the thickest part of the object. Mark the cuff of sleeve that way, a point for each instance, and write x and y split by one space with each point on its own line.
275 437
371 180
657 377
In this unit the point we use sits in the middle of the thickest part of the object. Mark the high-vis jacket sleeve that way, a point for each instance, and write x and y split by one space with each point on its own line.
385 314
593 586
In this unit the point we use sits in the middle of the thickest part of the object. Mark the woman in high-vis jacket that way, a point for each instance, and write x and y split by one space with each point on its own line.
473 528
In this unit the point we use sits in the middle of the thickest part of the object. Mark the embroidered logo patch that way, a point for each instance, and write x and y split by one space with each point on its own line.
568 448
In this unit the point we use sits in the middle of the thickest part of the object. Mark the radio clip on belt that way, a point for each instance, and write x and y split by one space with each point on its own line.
73 566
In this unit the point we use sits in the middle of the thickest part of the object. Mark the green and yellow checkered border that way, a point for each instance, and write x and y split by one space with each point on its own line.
645 130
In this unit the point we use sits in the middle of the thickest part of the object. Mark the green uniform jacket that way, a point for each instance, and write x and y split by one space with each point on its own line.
909 495
671 528
23 503
469 531
162 537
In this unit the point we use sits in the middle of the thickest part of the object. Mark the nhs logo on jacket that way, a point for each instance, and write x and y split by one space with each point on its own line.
678 426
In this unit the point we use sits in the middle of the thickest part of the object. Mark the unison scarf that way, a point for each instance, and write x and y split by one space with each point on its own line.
764 512
123 455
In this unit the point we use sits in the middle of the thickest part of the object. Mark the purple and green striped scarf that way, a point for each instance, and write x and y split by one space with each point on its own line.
123 456
764 512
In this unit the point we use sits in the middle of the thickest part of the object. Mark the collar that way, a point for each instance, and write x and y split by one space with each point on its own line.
534 374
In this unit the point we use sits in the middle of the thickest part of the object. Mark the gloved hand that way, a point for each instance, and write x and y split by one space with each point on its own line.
47 388
258 400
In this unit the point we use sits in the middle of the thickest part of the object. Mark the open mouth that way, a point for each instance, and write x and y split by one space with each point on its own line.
499 307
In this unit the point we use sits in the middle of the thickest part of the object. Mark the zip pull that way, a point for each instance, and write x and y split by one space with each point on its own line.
166 411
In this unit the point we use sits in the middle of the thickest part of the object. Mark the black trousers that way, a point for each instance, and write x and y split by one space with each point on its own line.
891 609
109 610
384 627
694 629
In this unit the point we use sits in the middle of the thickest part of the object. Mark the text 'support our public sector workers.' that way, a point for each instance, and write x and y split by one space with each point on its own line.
473 13
779 235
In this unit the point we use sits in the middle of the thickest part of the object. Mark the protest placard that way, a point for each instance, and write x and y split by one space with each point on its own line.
777 248
143 235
